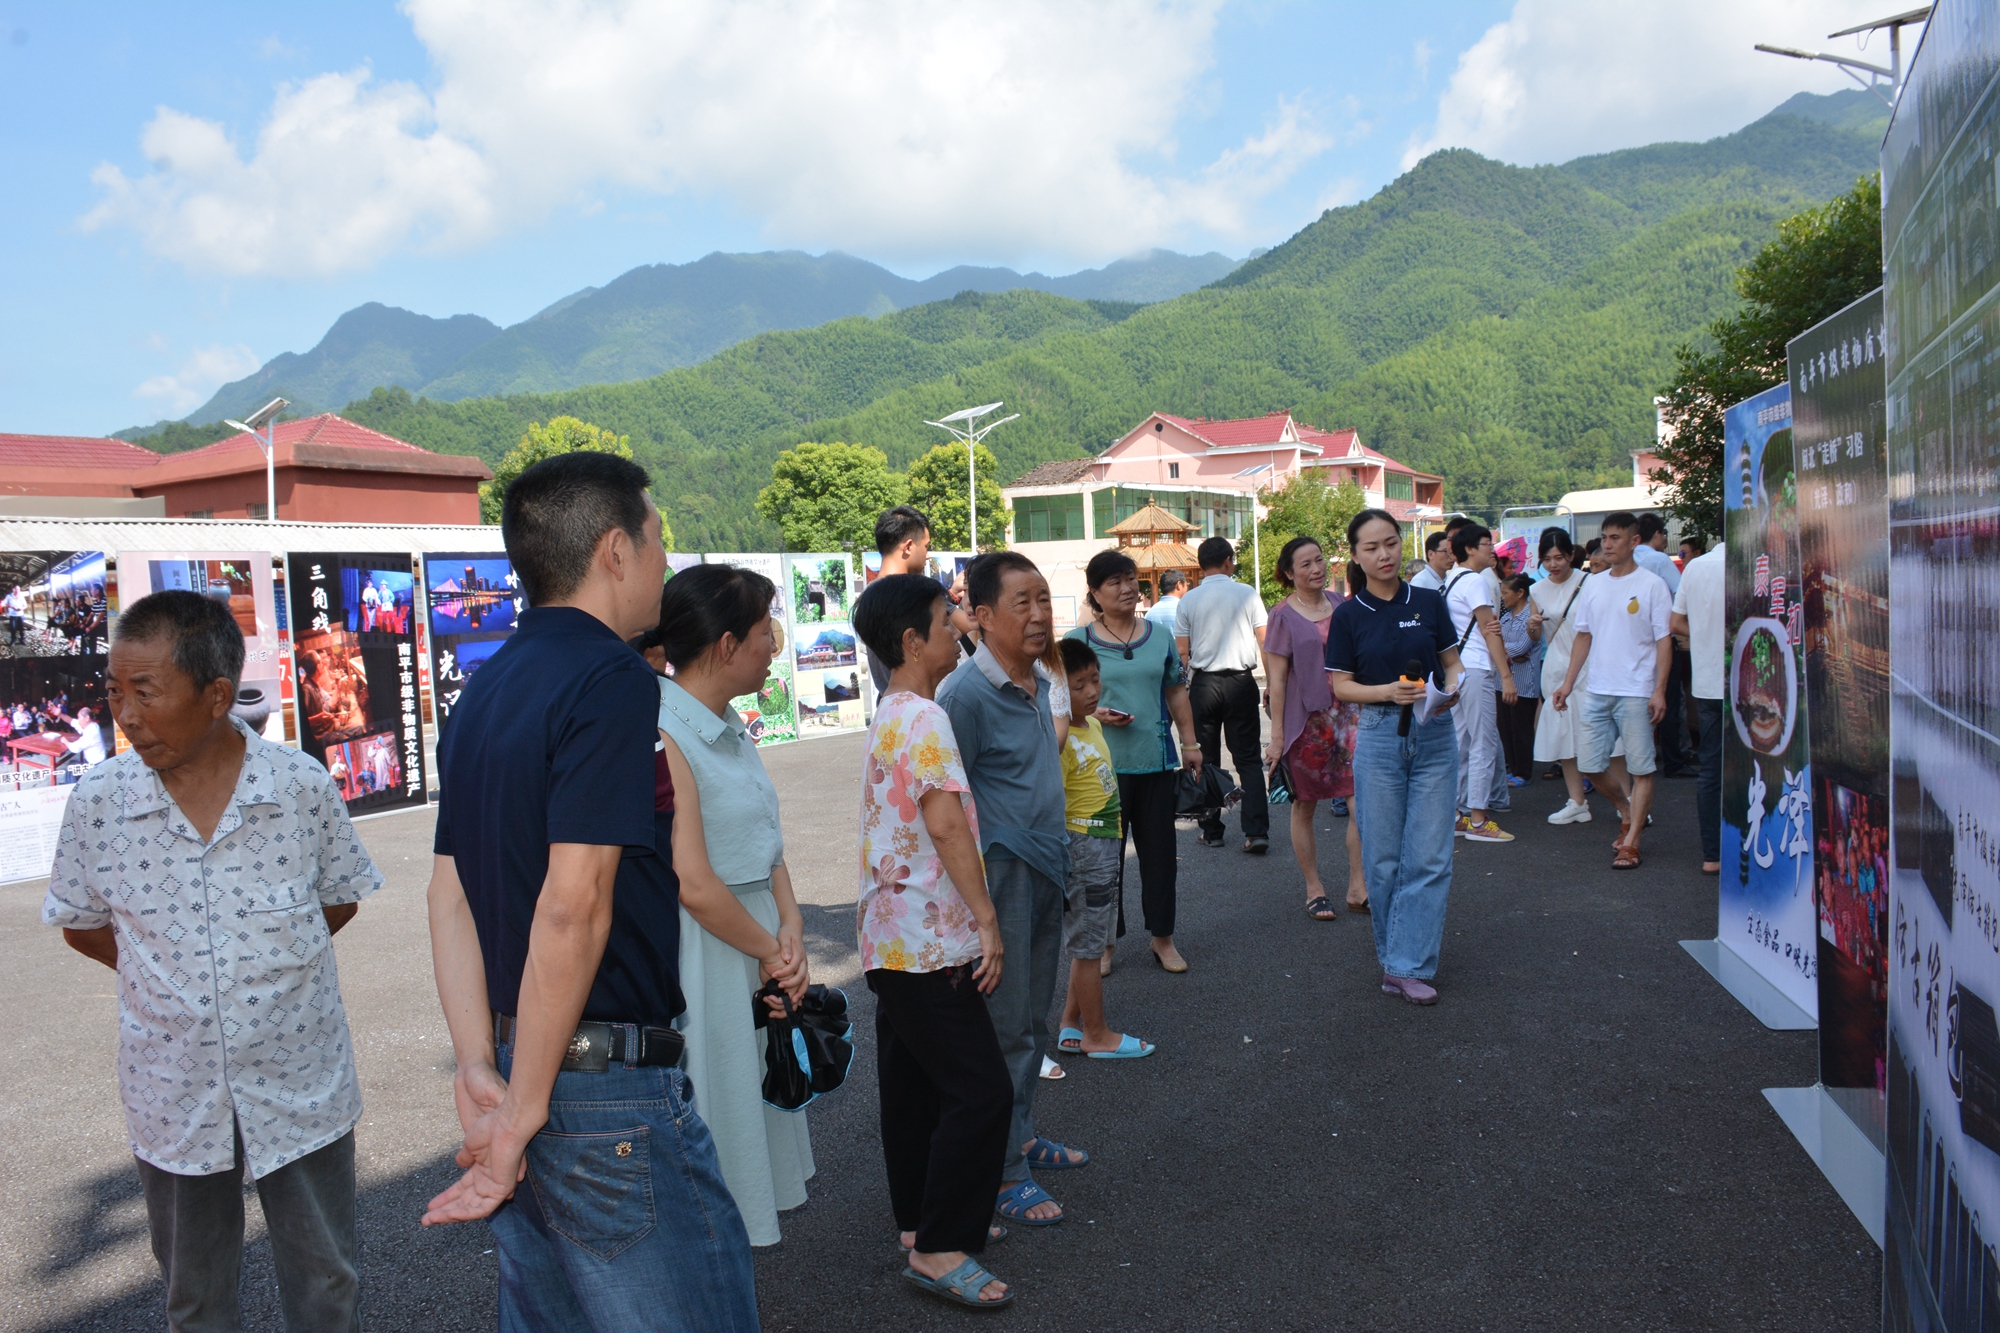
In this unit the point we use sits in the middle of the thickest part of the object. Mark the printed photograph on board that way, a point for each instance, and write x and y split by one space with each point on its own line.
474 602
829 645
379 600
54 604
366 766
819 588
355 672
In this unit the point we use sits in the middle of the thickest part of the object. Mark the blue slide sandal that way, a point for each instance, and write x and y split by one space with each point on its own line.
1129 1048
1015 1201
961 1286
1051 1156
1069 1041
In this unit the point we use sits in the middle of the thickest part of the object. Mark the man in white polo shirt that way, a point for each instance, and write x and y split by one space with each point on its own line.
1698 618
1624 638
1219 629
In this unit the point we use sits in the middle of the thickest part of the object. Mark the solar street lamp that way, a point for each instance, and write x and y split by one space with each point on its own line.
1884 83
959 425
265 419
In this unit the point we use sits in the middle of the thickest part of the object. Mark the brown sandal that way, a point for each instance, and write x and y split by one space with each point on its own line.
1627 859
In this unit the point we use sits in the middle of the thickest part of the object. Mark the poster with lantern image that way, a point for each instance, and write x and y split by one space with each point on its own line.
1765 909
354 622
241 581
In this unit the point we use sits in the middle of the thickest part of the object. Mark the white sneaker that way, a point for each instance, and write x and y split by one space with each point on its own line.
1573 812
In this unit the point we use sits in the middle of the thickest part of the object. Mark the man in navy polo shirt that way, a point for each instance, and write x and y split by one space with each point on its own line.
555 933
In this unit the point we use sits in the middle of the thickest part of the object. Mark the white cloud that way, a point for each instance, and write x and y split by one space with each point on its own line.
903 128
1561 78
205 370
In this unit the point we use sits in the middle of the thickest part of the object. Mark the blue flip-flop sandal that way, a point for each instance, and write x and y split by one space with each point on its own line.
1129 1048
1051 1156
1015 1201
961 1286
1070 1040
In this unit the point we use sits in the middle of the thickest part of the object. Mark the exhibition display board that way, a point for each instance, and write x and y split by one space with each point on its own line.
1839 440
826 659
1765 911
354 623
771 714
1941 296
242 582
472 604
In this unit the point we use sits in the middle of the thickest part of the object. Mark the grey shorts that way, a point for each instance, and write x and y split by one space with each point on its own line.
1090 902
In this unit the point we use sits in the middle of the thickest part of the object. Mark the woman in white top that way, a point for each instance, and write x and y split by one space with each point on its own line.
1553 622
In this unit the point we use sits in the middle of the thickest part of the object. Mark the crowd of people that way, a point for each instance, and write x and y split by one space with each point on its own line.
613 921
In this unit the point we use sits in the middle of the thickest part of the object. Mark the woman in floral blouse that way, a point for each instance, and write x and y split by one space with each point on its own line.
930 948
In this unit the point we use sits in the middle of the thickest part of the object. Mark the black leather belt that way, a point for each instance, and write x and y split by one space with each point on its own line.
1224 671
596 1047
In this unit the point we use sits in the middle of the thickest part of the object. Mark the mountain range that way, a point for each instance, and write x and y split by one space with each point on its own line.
653 318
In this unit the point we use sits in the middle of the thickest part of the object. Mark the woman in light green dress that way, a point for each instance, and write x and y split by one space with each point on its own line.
740 925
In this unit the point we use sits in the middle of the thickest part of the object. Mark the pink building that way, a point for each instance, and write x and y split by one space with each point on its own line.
1205 472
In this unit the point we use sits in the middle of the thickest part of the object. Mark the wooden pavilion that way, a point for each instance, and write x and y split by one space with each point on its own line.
1156 541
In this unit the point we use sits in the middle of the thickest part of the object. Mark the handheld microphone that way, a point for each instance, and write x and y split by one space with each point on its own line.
1413 671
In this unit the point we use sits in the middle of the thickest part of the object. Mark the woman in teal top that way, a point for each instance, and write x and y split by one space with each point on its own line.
1143 704
740 924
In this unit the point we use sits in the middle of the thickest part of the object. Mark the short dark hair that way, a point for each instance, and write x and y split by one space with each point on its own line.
1520 583
1466 538
1076 655
1454 523
1593 546
556 512
1170 580
1650 526
1555 539
1624 520
899 525
701 604
1104 567
985 574
208 643
1288 554
1700 546
1435 540
892 604
1215 552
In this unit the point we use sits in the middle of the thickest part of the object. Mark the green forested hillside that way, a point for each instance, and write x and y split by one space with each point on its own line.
1506 327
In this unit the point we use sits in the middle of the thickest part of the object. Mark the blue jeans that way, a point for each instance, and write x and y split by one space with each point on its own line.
1404 789
1606 719
623 1221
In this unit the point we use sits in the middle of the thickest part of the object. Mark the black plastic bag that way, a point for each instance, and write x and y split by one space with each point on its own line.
1199 795
808 1051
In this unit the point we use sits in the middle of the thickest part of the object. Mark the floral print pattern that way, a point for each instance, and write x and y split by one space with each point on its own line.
909 917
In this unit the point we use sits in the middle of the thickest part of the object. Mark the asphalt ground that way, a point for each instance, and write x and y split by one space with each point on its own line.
1574 1138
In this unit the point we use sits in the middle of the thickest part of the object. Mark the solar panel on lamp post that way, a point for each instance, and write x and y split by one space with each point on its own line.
265 419
959 426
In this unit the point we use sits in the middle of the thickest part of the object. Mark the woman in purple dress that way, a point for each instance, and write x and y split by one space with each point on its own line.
1310 730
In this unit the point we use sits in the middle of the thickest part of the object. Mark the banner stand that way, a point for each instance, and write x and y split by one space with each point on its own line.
1855 1167
1769 1005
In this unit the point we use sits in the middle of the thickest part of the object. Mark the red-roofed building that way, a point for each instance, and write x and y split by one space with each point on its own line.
328 470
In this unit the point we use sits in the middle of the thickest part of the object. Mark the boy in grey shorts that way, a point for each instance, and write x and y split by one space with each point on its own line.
1096 852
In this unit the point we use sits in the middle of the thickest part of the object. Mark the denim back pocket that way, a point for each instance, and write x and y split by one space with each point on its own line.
596 1190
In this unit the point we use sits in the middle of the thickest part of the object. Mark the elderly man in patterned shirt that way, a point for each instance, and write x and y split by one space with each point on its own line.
210 868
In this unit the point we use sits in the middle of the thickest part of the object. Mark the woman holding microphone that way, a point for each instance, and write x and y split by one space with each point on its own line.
1386 640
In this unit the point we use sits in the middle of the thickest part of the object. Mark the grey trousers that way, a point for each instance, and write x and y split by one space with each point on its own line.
197 1224
1482 768
1030 907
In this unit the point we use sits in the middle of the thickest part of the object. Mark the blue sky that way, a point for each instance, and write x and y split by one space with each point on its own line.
194 188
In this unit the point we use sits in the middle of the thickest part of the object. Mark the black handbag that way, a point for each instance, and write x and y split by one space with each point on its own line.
807 1052
1278 789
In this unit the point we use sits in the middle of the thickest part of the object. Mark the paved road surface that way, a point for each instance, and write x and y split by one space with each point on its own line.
1573 1139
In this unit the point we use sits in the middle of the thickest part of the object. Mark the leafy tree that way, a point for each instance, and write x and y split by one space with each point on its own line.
825 497
563 435
1305 506
937 487
1822 259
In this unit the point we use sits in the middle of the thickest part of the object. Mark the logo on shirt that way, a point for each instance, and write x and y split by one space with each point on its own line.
1410 624
1632 607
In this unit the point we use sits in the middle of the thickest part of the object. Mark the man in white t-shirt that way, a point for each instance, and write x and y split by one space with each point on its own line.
1698 618
1482 771
17 608
1219 629
1624 638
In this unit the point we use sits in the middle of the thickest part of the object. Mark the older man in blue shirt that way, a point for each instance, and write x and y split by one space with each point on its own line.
999 710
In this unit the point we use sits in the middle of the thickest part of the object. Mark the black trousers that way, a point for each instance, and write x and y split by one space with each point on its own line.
1147 800
1517 734
1225 708
1708 788
946 1104
1670 738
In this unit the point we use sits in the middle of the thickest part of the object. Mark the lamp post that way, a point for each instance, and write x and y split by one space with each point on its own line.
959 426
265 419
1885 83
